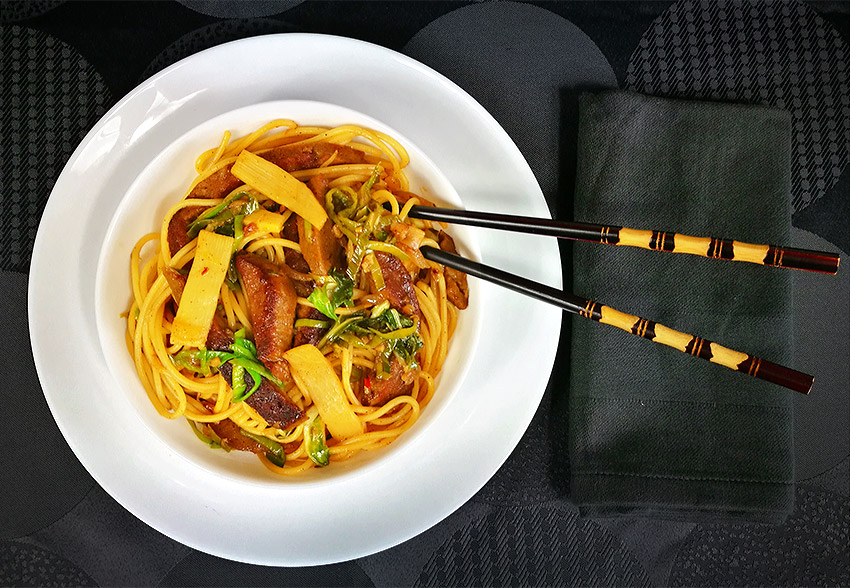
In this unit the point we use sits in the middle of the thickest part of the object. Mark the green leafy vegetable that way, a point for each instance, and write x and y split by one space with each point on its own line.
238 230
242 346
320 299
224 218
304 322
232 276
341 201
237 383
337 291
405 348
380 308
366 188
314 436
398 334
358 242
243 358
214 442
275 452
206 218
195 361
338 329
388 320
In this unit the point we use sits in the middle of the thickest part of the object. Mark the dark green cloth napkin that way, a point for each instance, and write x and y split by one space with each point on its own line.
653 431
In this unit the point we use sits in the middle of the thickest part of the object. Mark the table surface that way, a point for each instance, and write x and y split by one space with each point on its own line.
521 528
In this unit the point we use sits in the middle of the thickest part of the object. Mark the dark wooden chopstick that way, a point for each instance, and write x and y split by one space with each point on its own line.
787 257
697 346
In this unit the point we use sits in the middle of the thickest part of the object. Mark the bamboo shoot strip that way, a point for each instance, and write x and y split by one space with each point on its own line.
787 257
635 325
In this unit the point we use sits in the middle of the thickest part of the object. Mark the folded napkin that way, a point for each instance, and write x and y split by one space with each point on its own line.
653 431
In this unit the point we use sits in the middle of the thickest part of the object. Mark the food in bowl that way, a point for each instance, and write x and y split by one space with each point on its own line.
284 308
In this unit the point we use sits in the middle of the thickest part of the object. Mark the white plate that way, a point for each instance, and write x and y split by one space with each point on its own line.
351 515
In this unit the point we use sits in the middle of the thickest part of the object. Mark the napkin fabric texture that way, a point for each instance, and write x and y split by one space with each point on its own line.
654 431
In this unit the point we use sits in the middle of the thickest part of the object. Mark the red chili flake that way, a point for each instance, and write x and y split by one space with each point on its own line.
205 270
367 382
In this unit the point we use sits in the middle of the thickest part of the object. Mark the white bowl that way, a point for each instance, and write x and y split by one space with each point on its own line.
160 185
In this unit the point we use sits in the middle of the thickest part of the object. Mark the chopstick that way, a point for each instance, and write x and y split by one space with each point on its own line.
787 257
697 346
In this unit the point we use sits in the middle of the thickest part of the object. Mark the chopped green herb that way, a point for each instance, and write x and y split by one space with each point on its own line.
336 291
222 219
399 335
366 188
304 322
197 361
338 329
215 443
314 436
202 221
358 242
275 453
243 358
237 383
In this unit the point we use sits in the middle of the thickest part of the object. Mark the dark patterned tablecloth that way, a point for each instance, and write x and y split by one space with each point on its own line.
64 64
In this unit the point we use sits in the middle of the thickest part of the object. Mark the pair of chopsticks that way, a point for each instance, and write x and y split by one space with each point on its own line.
816 261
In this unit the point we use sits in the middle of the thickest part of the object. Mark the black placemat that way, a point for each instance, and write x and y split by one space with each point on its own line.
526 63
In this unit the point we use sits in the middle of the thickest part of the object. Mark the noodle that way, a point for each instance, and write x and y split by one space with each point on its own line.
366 345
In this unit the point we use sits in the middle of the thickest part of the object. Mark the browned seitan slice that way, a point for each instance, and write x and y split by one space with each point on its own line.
294 158
398 284
271 301
457 287
269 401
293 258
378 391
177 227
321 249
309 335
230 433
217 185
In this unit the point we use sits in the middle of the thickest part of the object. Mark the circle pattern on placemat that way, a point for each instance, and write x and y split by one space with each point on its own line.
781 54
15 11
27 565
210 36
526 65
808 549
239 8
200 569
51 97
542 545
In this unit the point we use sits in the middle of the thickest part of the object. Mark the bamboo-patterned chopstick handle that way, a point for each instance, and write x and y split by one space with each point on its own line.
804 259
697 346
814 261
